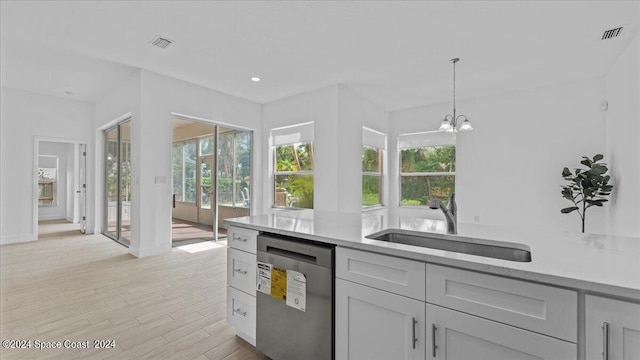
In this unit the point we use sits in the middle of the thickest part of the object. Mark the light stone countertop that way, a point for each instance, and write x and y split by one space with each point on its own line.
594 263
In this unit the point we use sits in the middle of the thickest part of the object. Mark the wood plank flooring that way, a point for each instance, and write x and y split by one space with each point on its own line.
87 287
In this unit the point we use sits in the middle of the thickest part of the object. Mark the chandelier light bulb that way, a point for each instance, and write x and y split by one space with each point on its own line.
450 122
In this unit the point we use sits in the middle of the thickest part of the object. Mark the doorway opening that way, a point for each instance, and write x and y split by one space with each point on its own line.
211 165
60 187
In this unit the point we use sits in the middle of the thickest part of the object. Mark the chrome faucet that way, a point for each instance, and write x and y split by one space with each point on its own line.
450 213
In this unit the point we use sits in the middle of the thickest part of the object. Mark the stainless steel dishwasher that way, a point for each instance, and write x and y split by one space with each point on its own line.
287 332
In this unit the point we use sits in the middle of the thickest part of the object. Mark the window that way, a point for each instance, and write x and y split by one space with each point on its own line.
47 180
372 161
234 168
184 171
427 168
293 166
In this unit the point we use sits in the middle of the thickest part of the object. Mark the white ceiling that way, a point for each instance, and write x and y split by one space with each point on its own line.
394 53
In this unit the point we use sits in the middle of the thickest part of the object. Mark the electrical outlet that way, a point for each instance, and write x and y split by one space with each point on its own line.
476 219
161 179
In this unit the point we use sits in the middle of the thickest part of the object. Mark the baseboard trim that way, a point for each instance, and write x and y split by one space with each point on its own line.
51 217
14 239
144 252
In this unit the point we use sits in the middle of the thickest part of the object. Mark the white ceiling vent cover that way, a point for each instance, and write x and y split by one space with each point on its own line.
161 42
612 33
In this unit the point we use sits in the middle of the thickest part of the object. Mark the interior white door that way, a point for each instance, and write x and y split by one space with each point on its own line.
374 324
453 335
612 329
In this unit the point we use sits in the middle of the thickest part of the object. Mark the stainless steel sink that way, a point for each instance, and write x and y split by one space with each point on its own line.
460 244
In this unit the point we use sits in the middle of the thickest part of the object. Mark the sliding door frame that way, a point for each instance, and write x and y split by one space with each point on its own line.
218 125
105 223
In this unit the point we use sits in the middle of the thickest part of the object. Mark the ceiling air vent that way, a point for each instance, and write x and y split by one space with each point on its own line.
161 42
612 33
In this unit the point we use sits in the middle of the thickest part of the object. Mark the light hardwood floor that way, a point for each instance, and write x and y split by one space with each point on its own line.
87 287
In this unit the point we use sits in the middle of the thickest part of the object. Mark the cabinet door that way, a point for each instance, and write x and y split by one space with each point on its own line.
453 335
374 324
612 324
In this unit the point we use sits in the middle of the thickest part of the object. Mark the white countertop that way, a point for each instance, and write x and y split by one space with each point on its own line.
593 263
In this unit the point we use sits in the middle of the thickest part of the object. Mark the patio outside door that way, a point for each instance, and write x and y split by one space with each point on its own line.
117 202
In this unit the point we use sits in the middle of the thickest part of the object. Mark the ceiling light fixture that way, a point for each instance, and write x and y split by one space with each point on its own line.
450 122
255 79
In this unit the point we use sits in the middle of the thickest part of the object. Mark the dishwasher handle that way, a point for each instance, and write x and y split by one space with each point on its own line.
292 255
297 249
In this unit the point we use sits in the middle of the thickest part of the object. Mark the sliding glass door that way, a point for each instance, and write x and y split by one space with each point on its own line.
117 204
234 175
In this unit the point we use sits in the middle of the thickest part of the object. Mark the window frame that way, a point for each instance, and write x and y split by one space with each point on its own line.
402 174
299 172
380 174
289 135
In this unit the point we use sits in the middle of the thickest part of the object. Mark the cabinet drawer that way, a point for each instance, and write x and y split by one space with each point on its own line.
544 309
241 271
396 275
241 314
242 239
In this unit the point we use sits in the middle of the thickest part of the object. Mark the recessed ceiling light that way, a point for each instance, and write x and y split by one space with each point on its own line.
255 79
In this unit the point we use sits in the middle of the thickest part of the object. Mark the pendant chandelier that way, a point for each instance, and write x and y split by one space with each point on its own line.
450 122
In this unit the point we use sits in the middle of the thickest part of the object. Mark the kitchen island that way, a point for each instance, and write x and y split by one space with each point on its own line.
579 294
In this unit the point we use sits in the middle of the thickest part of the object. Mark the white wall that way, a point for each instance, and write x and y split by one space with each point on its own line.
321 107
338 115
25 116
623 142
64 152
508 168
122 103
151 99
354 112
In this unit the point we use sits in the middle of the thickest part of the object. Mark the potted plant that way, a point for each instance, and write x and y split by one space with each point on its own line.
587 187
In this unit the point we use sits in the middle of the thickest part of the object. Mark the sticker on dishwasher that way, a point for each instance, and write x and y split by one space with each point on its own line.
279 283
264 277
296 290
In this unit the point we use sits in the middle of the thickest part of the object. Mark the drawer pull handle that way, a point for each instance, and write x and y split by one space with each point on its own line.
243 272
237 311
415 339
434 347
239 238
605 341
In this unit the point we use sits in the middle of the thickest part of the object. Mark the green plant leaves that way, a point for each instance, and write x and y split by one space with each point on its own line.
569 209
588 187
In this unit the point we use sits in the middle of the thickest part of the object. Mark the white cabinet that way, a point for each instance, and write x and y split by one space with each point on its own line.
544 309
382 313
396 275
458 336
241 282
612 329
374 324
379 306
